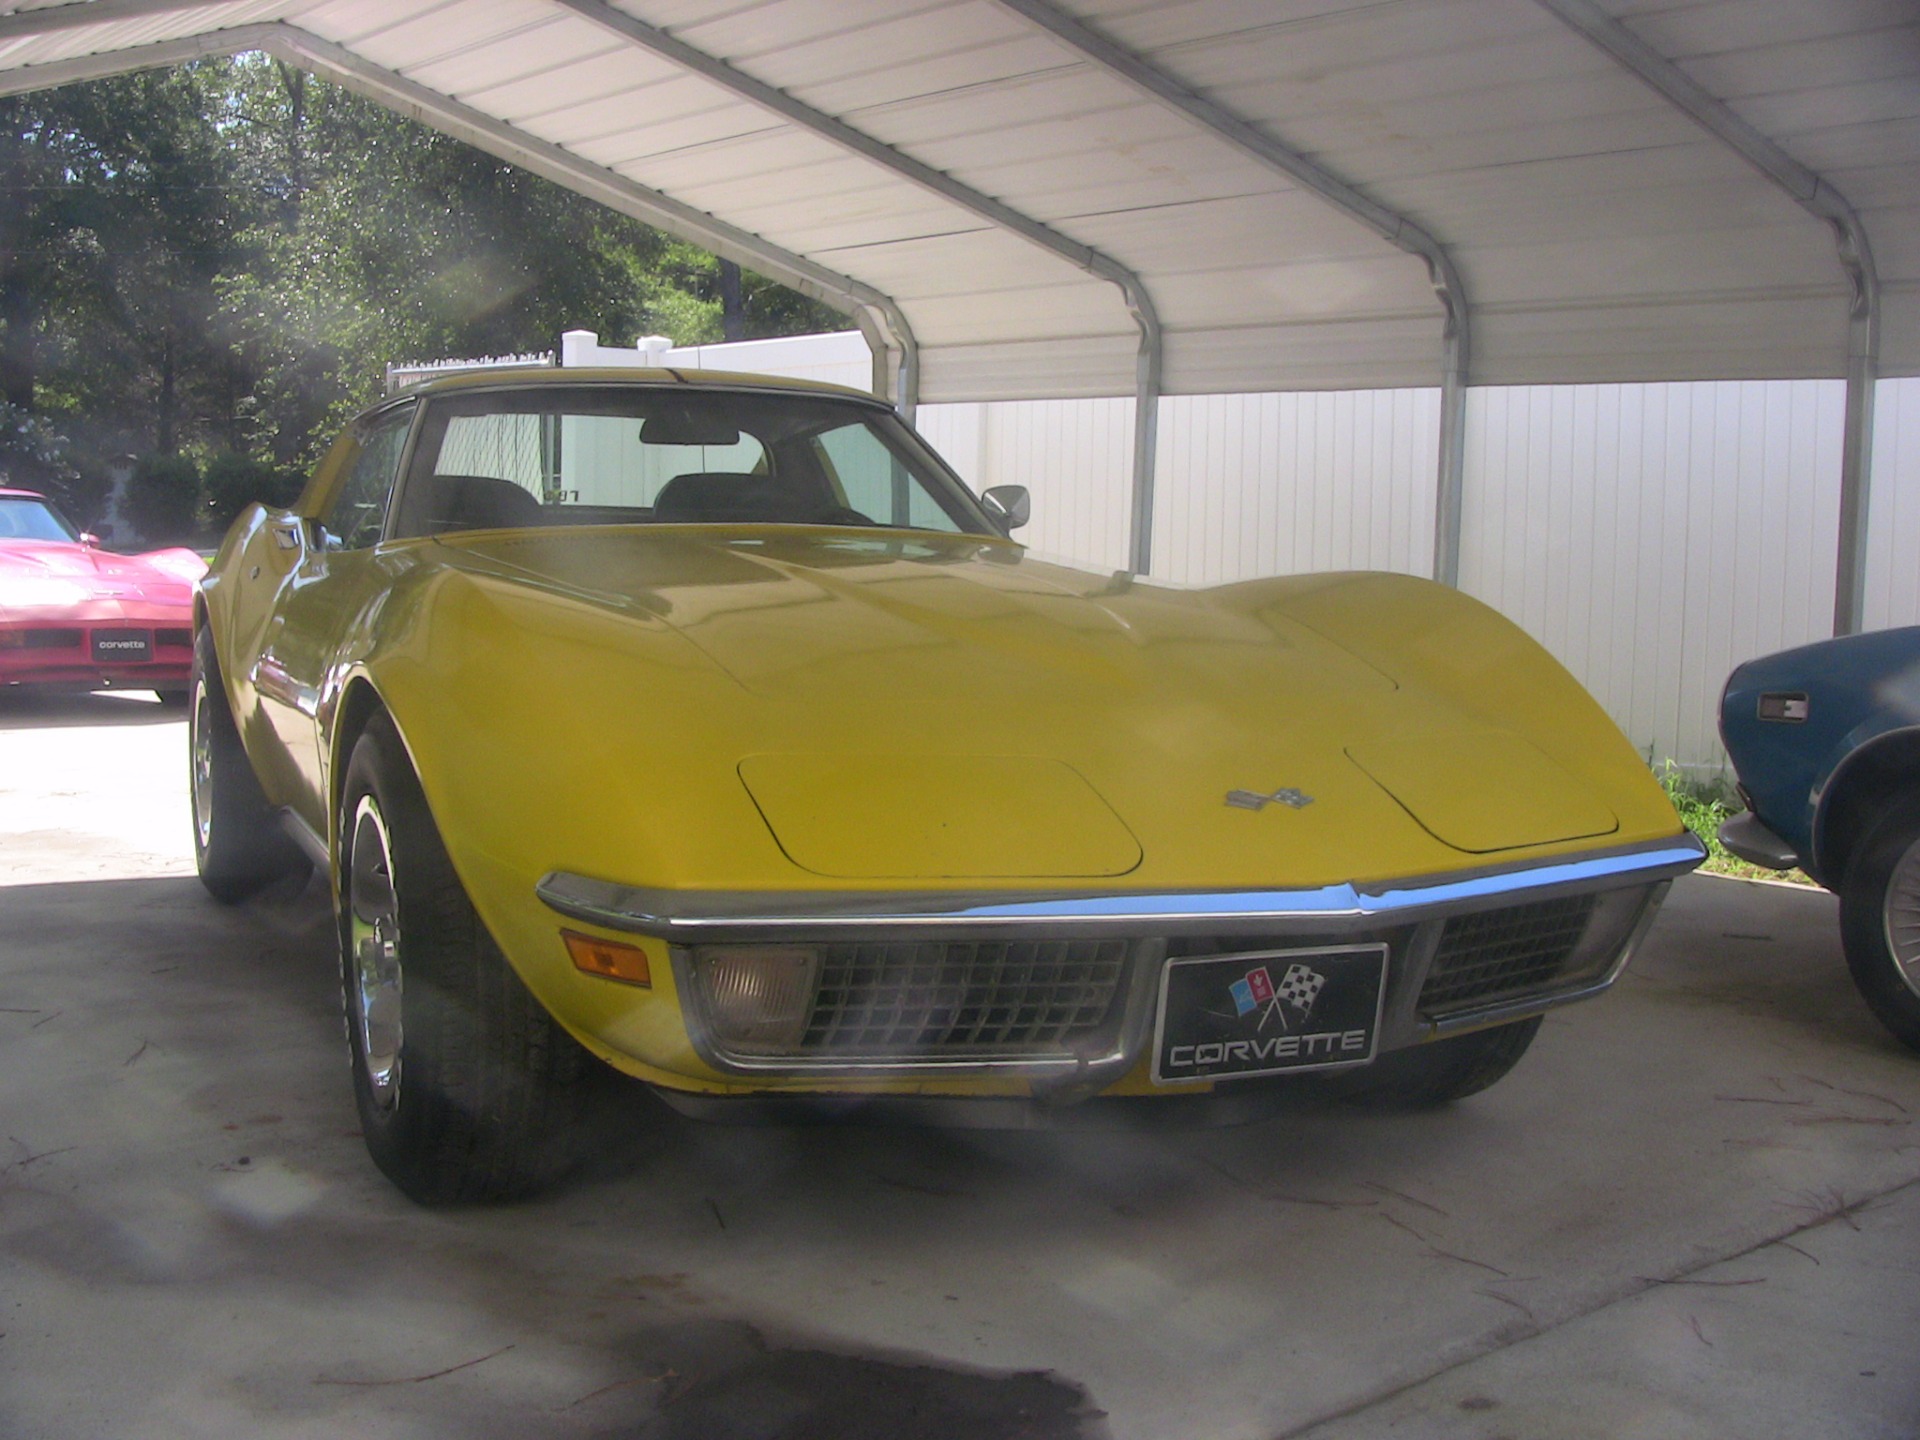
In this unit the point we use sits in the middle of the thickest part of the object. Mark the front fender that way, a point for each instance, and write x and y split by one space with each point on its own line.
601 744
1453 648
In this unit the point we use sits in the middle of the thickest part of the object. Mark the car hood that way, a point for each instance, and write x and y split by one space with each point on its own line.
33 571
935 707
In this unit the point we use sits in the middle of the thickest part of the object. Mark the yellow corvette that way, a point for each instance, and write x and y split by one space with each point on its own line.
710 726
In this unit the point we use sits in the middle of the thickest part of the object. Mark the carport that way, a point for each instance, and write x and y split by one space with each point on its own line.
1019 200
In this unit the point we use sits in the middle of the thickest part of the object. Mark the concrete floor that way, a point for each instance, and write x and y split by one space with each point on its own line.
1692 1211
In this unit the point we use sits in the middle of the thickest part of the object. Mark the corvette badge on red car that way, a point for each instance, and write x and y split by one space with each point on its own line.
76 617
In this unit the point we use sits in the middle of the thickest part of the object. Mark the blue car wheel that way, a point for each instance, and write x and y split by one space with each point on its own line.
1880 919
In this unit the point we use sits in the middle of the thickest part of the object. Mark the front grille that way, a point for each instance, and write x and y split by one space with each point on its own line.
54 639
1500 954
936 1000
179 639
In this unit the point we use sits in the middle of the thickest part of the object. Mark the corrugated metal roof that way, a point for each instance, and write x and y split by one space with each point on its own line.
1601 233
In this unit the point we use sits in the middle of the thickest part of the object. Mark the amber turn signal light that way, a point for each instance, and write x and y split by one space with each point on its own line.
608 958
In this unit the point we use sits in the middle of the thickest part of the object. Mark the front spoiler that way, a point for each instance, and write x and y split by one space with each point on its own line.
1753 842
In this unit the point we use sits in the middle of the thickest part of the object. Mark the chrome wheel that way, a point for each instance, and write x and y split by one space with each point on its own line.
373 937
201 747
1900 914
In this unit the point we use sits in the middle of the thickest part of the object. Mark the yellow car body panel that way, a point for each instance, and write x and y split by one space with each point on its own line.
780 709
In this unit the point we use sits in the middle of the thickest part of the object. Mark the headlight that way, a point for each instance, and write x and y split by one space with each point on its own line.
1616 916
32 592
759 997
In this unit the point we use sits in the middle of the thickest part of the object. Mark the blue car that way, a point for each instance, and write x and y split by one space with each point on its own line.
1826 740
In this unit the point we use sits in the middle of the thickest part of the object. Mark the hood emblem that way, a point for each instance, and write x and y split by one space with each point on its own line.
1253 800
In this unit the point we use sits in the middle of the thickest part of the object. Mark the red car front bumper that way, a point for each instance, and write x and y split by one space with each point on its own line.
101 645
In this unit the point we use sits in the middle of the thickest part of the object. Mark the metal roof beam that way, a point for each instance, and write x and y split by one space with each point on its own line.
25 79
896 352
1393 227
1825 203
995 212
48 20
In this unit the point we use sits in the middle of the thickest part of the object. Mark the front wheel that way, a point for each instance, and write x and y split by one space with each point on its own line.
1880 919
238 846
467 1089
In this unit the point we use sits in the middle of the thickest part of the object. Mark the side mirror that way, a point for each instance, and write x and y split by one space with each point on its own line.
89 539
1010 506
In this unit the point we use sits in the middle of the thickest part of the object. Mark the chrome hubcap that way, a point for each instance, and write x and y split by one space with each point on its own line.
373 939
201 749
1902 917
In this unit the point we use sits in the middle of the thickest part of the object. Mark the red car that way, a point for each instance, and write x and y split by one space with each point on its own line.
76 617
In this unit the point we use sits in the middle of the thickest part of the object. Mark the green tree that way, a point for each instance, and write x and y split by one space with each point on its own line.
224 258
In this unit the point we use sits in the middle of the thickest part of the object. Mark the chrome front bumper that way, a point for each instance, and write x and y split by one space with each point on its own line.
1413 914
689 917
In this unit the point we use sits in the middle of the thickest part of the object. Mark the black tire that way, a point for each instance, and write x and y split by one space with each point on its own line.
1880 919
238 845
1442 1071
467 1089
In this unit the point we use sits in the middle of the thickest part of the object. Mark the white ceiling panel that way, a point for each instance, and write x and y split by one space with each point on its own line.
872 84
814 40
599 69
1275 228
1015 112
1786 114
347 17
1664 341
574 116
1627 269
376 20
748 154
943 266
1040 312
1308 290
68 43
1075 367
1601 232
1683 29
516 37
535 53
818 226
747 32
1341 355
1896 242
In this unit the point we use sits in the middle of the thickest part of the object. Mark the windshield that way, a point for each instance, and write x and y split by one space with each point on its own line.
625 455
27 517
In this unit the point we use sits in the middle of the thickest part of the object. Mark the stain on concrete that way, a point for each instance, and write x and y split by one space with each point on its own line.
725 1381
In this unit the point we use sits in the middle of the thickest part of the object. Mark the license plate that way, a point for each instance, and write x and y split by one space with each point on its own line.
1269 1012
120 646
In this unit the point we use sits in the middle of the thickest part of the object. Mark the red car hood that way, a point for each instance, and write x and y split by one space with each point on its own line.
159 583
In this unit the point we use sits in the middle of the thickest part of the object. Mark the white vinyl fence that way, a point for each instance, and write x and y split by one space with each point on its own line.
1651 536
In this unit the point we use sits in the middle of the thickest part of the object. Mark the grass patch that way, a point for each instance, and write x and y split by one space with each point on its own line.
1703 806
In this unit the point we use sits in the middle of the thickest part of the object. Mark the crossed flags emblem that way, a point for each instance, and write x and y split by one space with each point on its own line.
1299 987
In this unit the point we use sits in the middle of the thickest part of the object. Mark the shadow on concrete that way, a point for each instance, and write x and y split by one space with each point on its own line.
65 709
